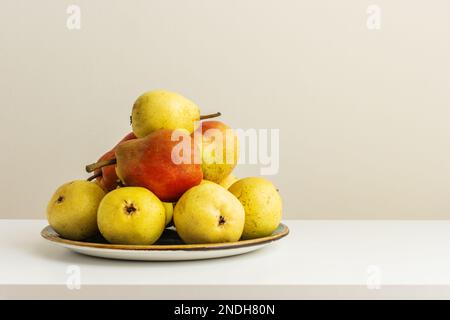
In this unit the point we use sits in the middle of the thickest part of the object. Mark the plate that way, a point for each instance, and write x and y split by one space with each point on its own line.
168 248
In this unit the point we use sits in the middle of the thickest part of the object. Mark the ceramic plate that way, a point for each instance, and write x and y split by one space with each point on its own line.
168 248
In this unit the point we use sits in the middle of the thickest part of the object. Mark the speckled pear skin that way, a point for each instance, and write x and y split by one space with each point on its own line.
215 166
131 215
208 213
147 162
262 204
162 109
72 210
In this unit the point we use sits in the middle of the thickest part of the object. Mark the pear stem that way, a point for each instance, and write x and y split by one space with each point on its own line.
98 165
120 184
209 116
98 174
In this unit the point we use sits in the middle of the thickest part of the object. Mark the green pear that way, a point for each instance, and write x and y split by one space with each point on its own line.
262 204
72 210
131 215
208 213
162 109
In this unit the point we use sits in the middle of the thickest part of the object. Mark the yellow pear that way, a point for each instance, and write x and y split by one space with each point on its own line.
228 181
72 210
206 181
161 109
219 147
208 213
131 215
262 204
168 206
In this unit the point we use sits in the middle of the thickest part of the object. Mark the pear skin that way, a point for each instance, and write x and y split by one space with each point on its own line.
147 162
262 204
168 206
108 177
131 215
228 181
161 109
72 210
219 149
208 213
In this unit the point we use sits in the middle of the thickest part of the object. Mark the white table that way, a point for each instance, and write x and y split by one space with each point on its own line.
319 259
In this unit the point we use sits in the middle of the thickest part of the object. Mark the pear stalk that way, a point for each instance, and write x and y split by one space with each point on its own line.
209 116
98 174
98 165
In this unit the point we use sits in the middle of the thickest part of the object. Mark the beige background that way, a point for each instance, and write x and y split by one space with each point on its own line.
364 115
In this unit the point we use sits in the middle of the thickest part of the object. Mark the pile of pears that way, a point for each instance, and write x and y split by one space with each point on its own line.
137 189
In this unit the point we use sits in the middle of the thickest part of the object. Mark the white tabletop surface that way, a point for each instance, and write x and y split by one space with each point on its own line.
318 259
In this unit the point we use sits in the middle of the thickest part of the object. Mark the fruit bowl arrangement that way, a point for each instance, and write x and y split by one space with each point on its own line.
166 191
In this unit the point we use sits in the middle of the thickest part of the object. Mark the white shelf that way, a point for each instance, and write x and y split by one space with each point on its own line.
318 259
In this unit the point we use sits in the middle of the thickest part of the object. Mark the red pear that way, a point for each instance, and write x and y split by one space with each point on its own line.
106 176
162 162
